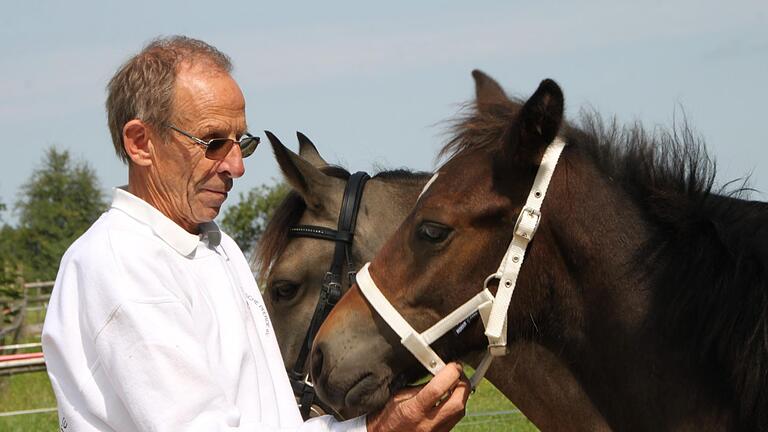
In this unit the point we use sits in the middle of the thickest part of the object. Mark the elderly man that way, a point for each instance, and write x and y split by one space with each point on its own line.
155 322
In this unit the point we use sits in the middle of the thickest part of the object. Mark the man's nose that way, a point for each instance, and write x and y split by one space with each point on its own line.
232 164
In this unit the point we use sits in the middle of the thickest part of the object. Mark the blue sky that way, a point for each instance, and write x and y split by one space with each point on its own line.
372 83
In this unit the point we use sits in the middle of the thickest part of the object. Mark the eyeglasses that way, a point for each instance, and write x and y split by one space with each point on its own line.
218 148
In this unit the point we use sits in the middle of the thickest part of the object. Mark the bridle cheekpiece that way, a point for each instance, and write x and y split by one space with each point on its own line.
331 289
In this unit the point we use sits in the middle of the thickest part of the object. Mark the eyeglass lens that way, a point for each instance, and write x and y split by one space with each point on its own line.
219 148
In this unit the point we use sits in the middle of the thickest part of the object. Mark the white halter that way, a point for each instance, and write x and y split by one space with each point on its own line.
493 310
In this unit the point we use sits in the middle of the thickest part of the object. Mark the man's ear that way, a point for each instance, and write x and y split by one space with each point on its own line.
137 142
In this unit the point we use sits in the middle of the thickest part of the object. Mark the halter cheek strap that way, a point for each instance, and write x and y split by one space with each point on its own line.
492 310
525 229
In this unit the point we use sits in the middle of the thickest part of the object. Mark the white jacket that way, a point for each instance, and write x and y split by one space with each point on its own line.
151 328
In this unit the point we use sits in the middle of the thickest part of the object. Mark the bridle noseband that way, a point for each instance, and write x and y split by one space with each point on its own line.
492 309
330 293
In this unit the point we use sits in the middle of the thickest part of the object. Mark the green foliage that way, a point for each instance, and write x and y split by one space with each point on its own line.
10 296
56 205
9 279
11 290
246 220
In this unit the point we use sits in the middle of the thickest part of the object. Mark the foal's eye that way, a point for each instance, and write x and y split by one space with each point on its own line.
433 232
283 290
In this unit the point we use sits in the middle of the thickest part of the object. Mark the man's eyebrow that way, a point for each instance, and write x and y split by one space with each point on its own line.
215 131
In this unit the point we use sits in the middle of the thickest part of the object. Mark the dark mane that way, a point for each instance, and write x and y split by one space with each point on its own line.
707 258
401 175
480 130
275 238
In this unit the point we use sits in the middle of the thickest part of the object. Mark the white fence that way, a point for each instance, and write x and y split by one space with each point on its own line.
24 357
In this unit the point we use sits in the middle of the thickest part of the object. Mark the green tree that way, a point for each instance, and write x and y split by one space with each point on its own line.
56 205
10 289
9 268
9 254
246 220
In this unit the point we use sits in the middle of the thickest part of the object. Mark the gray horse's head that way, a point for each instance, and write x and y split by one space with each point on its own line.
293 267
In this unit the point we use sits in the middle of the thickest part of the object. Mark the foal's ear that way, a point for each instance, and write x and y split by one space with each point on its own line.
541 116
487 91
313 185
309 152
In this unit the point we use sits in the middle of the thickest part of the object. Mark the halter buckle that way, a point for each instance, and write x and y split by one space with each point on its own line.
527 223
498 350
332 281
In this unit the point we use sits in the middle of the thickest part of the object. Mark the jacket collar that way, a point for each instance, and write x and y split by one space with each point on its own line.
167 230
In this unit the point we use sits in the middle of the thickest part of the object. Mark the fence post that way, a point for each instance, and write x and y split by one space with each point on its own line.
22 312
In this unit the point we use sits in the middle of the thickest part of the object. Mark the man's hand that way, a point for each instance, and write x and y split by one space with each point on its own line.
436 406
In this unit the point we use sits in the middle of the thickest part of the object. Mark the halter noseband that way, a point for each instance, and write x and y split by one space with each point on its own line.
492 309
331 288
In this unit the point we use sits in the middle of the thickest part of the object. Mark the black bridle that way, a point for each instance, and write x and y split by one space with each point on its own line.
330 293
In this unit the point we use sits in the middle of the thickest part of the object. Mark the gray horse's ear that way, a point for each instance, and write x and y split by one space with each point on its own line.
313 185
487 91
308 151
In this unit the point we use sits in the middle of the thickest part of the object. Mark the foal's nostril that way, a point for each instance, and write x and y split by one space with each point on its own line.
316 367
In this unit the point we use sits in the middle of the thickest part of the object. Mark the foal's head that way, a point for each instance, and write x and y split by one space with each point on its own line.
293 267
441 254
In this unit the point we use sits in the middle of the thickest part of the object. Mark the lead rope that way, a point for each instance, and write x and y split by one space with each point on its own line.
493 310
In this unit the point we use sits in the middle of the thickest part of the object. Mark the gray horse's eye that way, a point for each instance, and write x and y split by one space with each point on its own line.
433 232
283 290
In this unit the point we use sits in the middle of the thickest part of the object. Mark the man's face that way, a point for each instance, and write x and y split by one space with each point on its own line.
190 187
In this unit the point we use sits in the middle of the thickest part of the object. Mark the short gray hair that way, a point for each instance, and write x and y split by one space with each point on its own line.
143 86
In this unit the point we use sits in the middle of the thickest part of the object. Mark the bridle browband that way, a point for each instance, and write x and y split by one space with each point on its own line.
492 309
332 283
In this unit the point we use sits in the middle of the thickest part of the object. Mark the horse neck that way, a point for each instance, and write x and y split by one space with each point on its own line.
602 333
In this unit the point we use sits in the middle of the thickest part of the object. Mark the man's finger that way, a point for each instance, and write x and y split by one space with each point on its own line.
441 384
460 393
406 393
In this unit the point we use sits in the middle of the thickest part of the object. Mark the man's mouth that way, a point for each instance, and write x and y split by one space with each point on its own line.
213 197
217 191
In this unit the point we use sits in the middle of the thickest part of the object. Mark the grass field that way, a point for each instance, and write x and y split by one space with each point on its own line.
23 392
32 390
486 400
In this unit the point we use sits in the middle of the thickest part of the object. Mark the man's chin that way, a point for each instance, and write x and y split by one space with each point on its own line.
207 214
212 212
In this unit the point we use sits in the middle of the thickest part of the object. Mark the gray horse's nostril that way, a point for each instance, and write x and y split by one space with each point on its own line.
316 367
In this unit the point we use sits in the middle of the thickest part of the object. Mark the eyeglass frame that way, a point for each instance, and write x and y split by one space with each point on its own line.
207 144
